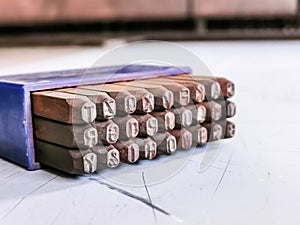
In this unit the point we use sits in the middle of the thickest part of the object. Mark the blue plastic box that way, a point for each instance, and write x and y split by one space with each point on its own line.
16 131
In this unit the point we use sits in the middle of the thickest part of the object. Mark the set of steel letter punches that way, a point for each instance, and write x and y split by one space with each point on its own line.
88 128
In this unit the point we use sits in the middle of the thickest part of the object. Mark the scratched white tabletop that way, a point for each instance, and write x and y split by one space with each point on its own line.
251 179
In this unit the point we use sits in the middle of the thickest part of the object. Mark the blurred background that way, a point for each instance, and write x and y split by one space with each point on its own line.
61 22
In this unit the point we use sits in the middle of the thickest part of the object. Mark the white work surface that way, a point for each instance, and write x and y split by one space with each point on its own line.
253 180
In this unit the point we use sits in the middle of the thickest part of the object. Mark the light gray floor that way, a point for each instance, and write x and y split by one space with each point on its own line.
251 179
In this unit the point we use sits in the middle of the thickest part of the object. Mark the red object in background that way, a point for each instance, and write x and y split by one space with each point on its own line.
16 11
20 11
243 8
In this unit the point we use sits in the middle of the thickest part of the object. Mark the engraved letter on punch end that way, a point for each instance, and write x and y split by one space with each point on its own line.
90 137
200 93
187 118
130 104
132 128
230 89
113 158
150 149
148 103
151 126
186 140
171 144
90 163
88 112
168 99
184 96
230 129
133 153
215 90
217 132
109 108
202 135
169 121
112 134
216 111
231 109
201 113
